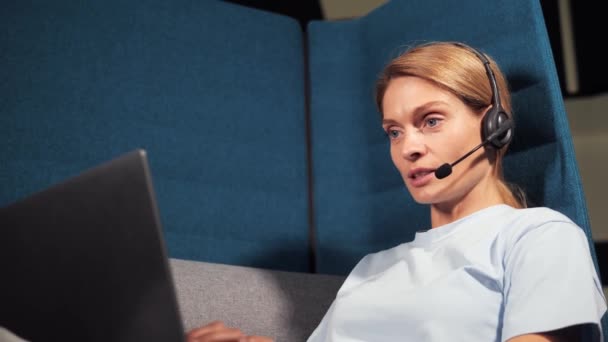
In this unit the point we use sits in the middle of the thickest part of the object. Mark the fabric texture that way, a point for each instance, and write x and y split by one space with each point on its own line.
284 305
208 88
493 275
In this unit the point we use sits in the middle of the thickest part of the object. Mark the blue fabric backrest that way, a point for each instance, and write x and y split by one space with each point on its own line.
361 204
213 91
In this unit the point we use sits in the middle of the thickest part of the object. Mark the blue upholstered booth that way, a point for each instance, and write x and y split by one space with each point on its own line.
213 91
216 93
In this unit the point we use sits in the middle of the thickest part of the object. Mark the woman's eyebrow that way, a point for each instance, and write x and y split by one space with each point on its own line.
389 122
417 111
427 106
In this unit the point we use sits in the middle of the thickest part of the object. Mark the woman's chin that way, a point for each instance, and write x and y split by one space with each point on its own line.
424 199
423 196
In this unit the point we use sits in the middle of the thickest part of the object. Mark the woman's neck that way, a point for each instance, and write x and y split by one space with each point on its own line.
484 195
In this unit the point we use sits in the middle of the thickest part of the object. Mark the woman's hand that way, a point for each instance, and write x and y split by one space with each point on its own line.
217 331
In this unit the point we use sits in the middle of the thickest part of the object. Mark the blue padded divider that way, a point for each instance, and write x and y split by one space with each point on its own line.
213 91
361 203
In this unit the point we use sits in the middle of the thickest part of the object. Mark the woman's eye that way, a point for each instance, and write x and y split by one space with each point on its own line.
393 134
432 122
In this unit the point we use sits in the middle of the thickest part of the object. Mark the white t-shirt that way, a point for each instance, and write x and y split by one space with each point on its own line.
493 275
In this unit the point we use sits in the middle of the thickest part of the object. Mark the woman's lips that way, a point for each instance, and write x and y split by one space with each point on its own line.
420 176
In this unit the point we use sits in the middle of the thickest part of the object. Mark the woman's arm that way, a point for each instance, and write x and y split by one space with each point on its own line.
562 335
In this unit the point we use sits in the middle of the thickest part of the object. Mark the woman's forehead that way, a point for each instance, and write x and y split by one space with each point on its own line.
408 95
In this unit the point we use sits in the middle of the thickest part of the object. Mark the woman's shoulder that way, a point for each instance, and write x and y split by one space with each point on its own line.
535 217
541 215
503 223
545 224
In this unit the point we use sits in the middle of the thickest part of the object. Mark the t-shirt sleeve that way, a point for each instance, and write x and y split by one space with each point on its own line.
550 282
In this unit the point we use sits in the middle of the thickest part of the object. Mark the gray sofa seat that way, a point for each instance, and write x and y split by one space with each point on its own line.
284 305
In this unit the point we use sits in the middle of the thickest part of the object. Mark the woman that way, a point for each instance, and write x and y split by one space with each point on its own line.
489 269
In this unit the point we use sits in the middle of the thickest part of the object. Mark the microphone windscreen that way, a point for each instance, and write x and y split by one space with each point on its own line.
443 171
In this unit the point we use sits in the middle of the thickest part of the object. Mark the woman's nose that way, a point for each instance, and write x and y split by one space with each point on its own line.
413 147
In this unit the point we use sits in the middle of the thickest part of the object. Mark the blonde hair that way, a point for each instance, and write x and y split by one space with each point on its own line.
456 68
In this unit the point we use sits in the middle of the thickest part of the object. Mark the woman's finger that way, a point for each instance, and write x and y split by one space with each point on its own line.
214 331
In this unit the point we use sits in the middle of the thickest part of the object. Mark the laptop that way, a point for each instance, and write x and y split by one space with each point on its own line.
85 260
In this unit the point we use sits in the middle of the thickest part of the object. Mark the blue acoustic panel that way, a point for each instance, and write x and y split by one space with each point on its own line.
213 91
361 203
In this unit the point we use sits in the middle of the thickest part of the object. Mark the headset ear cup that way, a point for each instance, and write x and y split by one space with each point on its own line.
492 121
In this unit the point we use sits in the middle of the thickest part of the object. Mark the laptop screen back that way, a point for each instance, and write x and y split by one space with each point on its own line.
85 260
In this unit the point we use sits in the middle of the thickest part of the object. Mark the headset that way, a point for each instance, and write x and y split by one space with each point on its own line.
496 116
496 125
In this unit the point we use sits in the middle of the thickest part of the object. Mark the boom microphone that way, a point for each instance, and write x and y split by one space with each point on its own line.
446 169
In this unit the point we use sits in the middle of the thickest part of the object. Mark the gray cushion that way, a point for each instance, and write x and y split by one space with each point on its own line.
284 305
